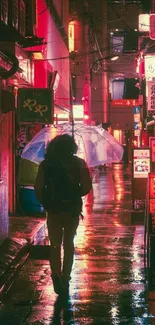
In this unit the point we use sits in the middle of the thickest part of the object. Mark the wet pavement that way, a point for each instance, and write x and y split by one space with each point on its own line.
109 284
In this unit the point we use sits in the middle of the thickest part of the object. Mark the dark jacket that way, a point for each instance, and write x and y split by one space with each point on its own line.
80 171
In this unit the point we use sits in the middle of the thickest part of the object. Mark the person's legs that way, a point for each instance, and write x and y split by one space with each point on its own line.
55 233
70 227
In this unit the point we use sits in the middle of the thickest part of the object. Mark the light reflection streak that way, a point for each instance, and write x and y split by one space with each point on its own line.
81 241
119 196
136 269
117 224
84 289
114 314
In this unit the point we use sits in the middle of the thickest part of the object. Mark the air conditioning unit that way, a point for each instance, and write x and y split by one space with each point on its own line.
30 18
4 11
22 17
13 14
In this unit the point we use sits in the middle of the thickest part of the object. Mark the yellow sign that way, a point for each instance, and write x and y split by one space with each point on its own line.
71 36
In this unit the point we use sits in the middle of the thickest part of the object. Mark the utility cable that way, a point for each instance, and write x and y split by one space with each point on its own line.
42 12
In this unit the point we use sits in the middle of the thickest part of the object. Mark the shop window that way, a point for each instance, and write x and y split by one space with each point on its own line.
123 41
124 89
130 89
117 89
116 41
130 41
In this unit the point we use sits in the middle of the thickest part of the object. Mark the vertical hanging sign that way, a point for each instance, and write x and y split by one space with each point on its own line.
151 96
152 27
71 36
137 124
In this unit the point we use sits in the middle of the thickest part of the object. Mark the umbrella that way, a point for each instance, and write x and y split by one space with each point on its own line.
95 144
114 150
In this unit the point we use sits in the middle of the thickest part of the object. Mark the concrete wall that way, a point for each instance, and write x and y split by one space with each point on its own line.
121 117
55 51
120 16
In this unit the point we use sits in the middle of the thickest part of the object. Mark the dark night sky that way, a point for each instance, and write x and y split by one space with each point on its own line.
146 5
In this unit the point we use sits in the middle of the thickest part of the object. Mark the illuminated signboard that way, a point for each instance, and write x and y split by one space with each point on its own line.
35 105
124 102
152 26
151 197
152 146
71 36
149 66
144 23
141 162
151 96
78 111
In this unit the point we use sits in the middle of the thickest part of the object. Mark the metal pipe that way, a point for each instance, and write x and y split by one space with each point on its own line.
105 73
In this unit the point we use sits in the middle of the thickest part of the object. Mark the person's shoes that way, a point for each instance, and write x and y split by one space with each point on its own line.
57 284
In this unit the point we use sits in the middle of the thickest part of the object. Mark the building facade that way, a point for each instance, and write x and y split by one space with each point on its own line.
103 62
33 54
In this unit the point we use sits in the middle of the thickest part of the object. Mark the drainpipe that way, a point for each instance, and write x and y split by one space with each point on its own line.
105 73
87 82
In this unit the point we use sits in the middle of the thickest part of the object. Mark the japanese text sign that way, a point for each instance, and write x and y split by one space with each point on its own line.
149 67
35 105
151 95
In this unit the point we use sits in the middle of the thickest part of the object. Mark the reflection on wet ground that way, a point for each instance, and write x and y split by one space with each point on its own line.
109 284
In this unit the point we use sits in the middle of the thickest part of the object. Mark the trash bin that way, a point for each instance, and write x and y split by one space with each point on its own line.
27 172
28 201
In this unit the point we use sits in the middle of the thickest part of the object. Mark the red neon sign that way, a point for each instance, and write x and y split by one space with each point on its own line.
152 27
125 102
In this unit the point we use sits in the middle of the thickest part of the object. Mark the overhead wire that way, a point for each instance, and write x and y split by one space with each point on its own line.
81 55
42 12
96 50
97 17
95 44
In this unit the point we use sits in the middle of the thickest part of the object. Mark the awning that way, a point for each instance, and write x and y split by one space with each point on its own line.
61 108
61 113
9 64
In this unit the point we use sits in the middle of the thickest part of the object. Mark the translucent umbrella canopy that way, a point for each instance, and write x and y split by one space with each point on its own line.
95 144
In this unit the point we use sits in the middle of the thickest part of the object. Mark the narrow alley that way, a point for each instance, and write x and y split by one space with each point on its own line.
109 284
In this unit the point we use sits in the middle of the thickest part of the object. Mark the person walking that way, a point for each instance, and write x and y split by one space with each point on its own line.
61 182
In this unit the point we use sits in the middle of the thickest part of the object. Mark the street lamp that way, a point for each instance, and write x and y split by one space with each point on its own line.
111 57
114 58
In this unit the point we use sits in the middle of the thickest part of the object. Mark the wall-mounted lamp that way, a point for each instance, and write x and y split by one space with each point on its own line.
38 55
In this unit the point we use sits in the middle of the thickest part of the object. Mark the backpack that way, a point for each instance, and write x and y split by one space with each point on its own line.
61 188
